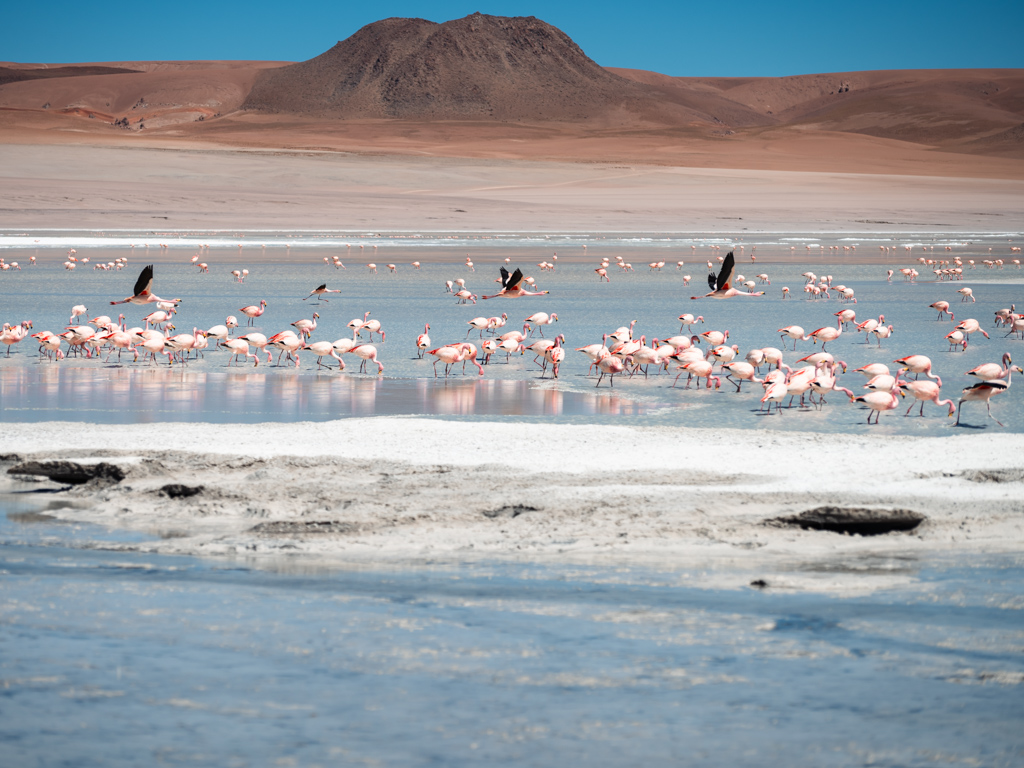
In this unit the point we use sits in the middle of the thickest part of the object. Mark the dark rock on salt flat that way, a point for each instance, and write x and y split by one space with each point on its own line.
293 527
993 475
70 472
509 510
179 491
853 520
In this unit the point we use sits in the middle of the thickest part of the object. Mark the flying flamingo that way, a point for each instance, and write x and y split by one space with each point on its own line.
721 287
511 286
321 290
142 294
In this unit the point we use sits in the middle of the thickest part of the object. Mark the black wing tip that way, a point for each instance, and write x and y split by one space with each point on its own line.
320 288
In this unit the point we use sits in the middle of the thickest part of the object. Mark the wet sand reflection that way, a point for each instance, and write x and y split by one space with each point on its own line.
130 395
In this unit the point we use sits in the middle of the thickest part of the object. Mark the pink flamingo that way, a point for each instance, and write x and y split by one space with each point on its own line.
991 371
511 286
423 341
985 391
721 286
878 402
253 311
918 364
943 309
611 365
925 391
368 354
143 294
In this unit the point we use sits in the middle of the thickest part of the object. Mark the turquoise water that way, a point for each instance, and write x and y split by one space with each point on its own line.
119 658
209 389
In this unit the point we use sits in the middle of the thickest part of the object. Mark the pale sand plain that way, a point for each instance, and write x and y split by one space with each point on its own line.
202 189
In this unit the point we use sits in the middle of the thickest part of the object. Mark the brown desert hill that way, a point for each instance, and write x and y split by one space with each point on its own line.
477 67
977 110
129 94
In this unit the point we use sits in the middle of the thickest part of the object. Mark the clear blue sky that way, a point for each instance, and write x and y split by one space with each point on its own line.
677 38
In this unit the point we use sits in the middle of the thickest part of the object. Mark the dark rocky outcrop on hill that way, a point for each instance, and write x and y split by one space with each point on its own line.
480 66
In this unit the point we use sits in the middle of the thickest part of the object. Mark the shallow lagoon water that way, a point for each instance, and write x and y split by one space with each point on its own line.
209 389
124 658
128 659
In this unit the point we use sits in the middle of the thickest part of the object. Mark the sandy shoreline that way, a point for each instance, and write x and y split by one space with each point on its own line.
408 489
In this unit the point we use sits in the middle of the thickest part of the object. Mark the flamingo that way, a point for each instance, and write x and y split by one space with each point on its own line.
511 286
826 334
942 307
966 293
687 320
253 311
882 332
323 349
368 354
721 287
143 294
238 347
918 364
306 326
77 311
878 402
742 371
449 355
319 291
969 326
991 371
795 332
478 324
873 369
925 391
372 327
611 365
956 337
423 341
869 325
357 325
595 352
540 319
259 341
985 391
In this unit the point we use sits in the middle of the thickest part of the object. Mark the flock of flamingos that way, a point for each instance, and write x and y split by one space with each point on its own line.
703 357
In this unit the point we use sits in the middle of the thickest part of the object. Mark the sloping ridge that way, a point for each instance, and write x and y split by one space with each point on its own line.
480 66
